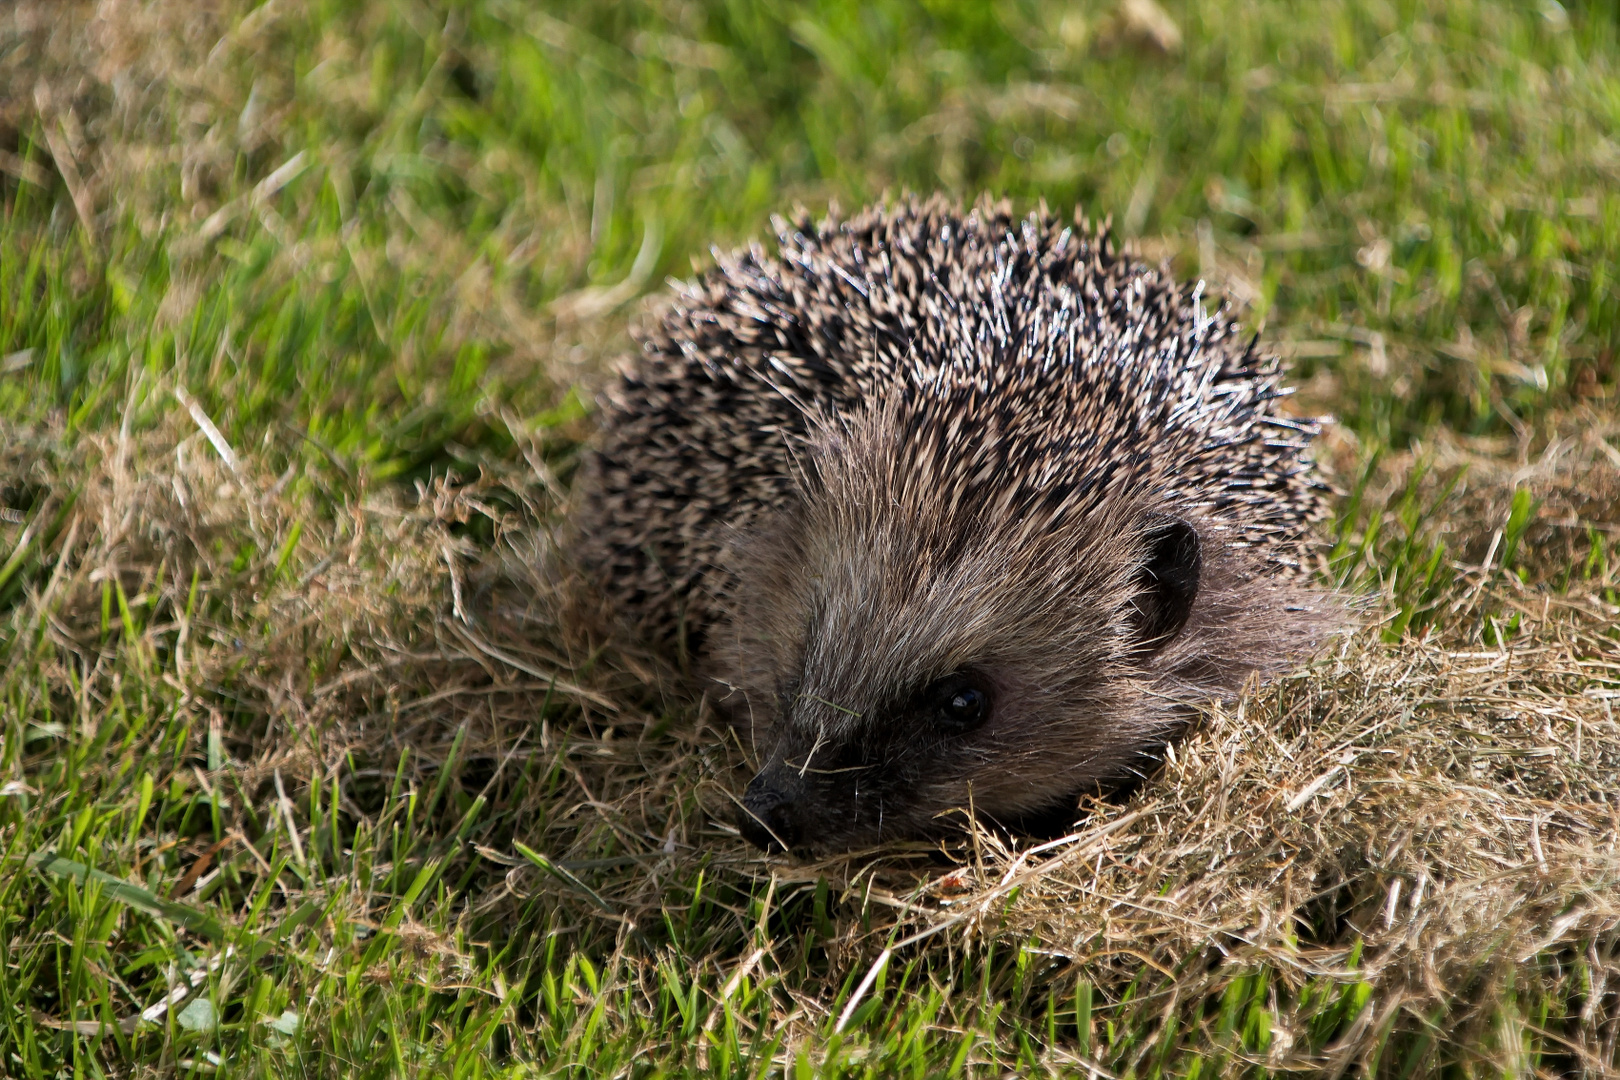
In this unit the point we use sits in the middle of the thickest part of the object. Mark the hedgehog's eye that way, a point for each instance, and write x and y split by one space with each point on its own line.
959 704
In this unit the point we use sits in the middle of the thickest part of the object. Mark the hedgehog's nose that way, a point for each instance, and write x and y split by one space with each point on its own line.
769 817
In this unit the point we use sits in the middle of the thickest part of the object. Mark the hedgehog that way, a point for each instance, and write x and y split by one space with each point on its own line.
955 513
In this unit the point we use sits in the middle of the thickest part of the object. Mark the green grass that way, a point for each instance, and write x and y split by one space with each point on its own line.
250 758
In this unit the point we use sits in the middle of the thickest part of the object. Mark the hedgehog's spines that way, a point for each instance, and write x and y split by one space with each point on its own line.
1072 349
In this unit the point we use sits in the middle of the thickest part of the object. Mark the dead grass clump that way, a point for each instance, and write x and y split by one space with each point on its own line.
1418 818
324 631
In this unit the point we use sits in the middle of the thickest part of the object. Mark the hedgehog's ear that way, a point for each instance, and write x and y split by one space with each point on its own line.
1166 583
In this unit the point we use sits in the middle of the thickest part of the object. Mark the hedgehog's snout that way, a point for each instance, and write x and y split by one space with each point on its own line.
771 816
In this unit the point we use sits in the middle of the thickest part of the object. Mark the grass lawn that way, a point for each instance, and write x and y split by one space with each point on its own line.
303 770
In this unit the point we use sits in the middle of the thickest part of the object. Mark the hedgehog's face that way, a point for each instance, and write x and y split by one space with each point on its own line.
891 667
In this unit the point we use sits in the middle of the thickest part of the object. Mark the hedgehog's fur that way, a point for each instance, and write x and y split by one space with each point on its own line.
923 471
